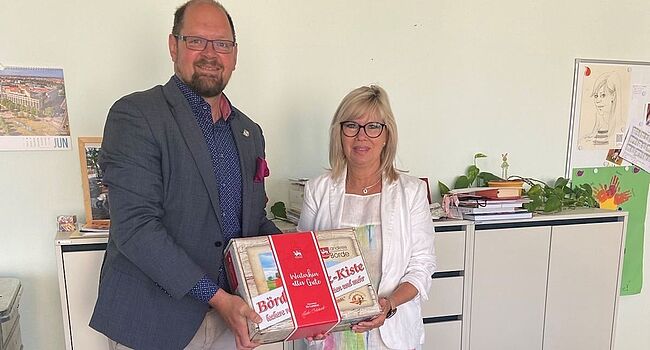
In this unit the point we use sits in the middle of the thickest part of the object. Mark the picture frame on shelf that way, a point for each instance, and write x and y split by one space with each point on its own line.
426 181
95 194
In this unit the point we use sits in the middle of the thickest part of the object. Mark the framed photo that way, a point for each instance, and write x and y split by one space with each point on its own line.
426 180
94 191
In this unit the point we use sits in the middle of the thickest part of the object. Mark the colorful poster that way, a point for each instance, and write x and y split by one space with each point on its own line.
622 188
33 109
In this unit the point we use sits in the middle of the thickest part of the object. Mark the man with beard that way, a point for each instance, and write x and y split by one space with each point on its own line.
185 173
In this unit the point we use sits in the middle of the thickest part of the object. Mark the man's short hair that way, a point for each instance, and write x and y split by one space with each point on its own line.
179 15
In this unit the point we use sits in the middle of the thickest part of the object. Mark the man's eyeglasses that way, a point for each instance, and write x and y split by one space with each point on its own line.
196 43
372 129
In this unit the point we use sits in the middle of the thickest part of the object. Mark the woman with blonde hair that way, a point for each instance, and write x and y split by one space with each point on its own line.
391 213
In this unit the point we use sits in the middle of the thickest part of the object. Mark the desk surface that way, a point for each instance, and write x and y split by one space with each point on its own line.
76 237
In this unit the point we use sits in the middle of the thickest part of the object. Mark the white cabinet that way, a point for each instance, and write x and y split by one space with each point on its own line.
446 298
509 288
442 335
450 247
583 285
443 312
79 261
548 283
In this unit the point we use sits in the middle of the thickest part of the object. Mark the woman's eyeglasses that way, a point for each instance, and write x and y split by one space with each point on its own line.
372 129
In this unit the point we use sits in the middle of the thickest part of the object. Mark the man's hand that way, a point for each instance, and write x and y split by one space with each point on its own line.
236 312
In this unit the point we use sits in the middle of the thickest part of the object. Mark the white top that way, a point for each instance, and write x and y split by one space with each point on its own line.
363 213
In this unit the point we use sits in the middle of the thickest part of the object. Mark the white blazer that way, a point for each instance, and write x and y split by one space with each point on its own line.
408 253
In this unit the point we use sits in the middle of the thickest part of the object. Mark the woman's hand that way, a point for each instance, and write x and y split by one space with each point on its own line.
319 336
376 321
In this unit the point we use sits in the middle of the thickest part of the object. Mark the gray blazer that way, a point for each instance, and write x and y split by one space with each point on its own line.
165 217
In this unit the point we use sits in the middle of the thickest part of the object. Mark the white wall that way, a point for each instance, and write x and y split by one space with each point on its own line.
463 77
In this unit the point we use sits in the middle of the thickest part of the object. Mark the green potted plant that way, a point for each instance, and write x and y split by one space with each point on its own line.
544 198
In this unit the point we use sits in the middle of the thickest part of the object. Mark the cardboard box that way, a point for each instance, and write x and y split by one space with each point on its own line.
301 284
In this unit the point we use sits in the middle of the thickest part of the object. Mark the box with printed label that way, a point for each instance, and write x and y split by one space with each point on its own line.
301 284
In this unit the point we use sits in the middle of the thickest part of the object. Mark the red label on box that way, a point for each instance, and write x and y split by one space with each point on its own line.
304 277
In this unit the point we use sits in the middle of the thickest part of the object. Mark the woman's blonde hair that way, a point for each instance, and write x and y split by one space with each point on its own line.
371 100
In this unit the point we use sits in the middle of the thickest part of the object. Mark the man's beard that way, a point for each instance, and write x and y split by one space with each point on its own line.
207 85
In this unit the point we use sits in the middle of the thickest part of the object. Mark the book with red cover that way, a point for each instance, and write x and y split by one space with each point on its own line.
500 193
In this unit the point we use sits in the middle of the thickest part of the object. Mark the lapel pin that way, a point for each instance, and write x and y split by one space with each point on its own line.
245 133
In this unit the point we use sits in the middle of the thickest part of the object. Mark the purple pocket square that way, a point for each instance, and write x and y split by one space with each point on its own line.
262 170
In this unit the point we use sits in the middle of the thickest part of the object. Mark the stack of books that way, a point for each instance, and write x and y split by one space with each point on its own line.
484 204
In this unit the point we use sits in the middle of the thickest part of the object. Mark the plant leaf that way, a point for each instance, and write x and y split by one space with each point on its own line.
462 182
587 188
479 155
561 182
548 191
443 188
534 205
279 210
535 191
485 176
472 172
553 204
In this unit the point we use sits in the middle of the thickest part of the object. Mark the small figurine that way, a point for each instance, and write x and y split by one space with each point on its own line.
504 166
